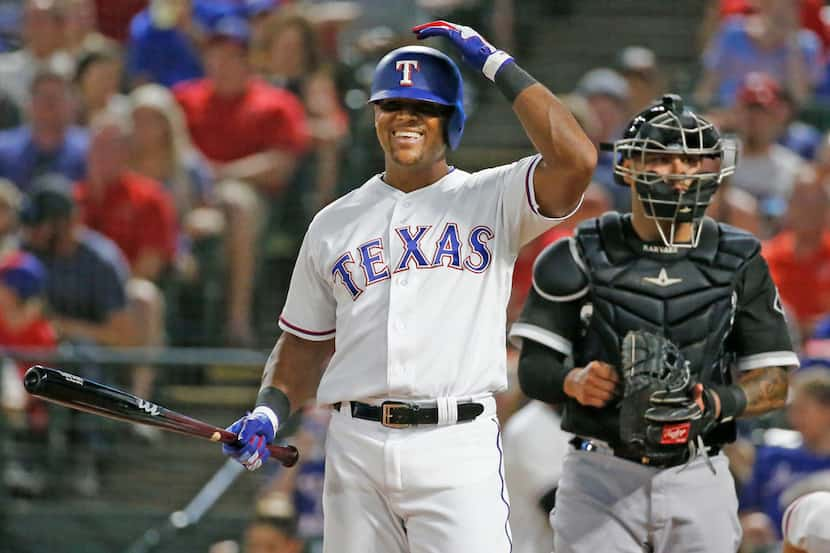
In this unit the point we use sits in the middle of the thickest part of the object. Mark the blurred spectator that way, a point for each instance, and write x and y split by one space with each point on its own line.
531 434
42 49
98 83
765 169
89 300
799 257
607 94
10 199
23 325
777 468
81 28
48 143
291 59
770 39
135 212
161 150
274 529
163 46
255 136
646 81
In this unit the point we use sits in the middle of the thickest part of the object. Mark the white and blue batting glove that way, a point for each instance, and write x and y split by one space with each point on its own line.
475 50
255 432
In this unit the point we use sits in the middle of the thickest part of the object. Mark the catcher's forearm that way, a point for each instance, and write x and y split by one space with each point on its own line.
542 373
765 389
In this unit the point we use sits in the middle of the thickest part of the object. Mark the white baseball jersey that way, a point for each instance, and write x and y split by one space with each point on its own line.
806 522
414 286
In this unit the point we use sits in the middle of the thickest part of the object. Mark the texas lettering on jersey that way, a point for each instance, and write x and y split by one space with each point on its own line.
447 252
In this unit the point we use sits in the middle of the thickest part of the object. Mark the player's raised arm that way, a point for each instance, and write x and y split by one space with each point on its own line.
568 156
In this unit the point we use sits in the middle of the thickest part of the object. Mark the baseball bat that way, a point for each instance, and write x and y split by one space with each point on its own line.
72 391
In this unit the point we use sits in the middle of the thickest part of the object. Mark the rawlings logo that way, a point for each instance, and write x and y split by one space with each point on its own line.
675 433
150 408
407 66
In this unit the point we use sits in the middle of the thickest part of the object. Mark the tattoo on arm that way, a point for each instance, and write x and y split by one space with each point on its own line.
765 389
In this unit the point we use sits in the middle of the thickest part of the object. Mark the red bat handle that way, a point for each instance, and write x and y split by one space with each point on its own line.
287 455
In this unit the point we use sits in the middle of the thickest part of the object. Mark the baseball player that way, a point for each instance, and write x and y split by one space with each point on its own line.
666 269
409 276
806 524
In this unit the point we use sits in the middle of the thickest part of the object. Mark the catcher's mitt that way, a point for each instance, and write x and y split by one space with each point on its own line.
659 419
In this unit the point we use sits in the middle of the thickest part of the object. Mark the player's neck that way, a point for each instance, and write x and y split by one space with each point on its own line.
408 179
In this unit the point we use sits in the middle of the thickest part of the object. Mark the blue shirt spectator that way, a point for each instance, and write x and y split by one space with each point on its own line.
732 54
775 470
161 54
22 160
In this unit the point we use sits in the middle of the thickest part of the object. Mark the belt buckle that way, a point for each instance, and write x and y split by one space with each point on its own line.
386 413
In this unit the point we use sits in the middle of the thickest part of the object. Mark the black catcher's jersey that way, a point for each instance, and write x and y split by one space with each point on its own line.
716 302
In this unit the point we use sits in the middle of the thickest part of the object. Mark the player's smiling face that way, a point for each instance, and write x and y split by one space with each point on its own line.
411 132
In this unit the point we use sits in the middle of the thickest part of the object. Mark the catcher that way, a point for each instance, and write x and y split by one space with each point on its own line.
655 329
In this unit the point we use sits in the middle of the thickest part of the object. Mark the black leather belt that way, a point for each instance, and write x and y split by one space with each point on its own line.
623 453
396 414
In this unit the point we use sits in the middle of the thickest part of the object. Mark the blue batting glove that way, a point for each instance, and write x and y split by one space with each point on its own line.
475 50
255 432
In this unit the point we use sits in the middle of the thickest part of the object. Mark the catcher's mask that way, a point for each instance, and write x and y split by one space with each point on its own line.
669 128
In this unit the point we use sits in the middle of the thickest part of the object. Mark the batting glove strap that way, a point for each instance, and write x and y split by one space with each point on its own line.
262 409
732 401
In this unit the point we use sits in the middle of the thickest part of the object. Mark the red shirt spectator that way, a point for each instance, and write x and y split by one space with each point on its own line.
226 129
135 212
803 281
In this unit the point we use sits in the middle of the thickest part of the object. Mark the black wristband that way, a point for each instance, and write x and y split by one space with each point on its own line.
732 401
276 400
512 80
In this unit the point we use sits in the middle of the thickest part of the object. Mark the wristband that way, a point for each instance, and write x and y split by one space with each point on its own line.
512 80
733 401
276 401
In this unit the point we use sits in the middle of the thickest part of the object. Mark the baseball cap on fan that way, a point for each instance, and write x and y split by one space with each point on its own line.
230 27
23 273
50 199
760 89
603 81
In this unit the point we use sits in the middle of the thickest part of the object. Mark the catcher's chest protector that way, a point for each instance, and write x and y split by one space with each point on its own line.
688 296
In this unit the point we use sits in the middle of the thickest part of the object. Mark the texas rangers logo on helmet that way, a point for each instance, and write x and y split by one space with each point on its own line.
407 66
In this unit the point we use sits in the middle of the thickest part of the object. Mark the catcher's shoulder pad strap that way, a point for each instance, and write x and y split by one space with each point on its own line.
604 236
559 273
736 246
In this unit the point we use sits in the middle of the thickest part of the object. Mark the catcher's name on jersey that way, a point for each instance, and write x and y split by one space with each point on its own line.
397 277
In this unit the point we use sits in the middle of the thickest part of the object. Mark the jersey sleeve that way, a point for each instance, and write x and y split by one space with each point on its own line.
310 308
760 337
551 313
804 524
520 210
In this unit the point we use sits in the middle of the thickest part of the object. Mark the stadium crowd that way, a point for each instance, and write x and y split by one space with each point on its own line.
160 161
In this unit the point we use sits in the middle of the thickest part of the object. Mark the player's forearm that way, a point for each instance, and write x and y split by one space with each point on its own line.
568 156
542 373
765 389
295 367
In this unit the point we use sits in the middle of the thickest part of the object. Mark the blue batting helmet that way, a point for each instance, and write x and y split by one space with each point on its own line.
422 73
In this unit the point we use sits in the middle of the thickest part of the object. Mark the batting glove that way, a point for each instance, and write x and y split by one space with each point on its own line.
475 50
255 432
